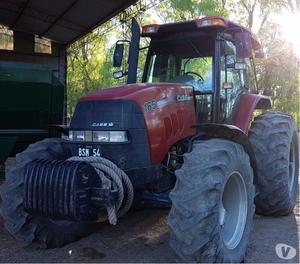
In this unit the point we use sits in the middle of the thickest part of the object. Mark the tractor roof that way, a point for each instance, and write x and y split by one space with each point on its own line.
62 21
202 24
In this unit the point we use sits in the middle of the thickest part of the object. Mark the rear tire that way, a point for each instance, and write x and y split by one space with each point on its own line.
25 227
215 176
275 143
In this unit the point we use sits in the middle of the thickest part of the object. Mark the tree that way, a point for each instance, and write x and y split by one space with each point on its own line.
278 74
178 10
86 59
292 5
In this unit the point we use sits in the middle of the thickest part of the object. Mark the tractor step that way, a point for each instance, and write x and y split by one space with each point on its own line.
150 200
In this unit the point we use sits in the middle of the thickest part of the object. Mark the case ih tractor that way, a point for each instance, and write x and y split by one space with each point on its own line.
184 137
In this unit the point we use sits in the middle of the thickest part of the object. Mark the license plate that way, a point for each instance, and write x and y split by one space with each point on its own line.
89 151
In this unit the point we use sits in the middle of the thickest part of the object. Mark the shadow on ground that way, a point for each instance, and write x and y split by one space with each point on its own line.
142 236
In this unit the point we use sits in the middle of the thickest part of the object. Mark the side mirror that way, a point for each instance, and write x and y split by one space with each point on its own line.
243 43
118 54
133 54
119 74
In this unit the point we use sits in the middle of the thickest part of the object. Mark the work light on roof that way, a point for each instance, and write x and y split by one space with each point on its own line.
150 29
207 22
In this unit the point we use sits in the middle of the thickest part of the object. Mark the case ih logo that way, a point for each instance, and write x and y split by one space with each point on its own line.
184 97
110 124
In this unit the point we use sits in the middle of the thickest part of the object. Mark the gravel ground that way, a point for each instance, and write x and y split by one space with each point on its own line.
143 237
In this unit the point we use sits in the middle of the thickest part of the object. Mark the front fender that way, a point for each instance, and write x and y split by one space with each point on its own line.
229 132
247 105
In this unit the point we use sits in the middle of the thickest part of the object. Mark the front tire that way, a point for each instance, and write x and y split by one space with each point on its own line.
274 140
212 203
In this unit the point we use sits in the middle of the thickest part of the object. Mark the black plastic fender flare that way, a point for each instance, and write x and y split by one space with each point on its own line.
229 132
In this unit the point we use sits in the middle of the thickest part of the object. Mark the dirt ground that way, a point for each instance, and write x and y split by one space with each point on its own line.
143 237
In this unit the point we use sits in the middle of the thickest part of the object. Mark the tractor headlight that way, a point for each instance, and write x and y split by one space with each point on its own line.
76 135
101 136
80 135
98 136
118 136
110 136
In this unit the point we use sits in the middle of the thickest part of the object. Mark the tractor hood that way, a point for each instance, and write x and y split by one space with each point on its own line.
143 92
158 115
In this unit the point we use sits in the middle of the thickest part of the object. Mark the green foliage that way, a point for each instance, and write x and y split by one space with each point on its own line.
89 67
201 66
191 9
279 72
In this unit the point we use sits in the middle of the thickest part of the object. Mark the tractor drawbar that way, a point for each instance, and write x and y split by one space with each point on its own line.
77 189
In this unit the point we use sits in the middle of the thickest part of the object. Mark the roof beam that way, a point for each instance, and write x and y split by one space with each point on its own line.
59 17
24 6
105 19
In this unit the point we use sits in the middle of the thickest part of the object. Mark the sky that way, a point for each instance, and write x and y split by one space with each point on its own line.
290 28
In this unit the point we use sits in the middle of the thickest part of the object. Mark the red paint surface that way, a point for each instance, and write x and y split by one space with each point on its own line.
249 103
173 27
166 125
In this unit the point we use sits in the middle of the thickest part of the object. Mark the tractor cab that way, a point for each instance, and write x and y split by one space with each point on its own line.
213 55
210 54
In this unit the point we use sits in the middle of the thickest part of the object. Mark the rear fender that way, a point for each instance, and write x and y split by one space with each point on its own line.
247 105
229 132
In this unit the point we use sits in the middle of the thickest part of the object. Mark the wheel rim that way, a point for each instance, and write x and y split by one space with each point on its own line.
292 166
233 210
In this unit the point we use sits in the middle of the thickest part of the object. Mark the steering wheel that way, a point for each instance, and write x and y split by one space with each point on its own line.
195 73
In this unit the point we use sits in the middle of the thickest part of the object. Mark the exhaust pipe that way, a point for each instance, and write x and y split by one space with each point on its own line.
134 49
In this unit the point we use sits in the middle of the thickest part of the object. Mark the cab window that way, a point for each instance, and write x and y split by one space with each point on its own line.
187 61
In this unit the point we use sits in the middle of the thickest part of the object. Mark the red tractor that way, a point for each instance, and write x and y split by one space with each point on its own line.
185 137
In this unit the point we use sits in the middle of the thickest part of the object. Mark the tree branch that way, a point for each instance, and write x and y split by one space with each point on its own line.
245 6
263 21
291 5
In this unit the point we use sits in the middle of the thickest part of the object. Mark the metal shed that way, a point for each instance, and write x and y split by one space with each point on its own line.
62 21
33 84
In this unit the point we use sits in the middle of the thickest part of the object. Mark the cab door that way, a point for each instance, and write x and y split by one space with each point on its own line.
232 82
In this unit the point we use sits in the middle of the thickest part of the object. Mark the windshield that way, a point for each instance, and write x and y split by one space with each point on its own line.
187 61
